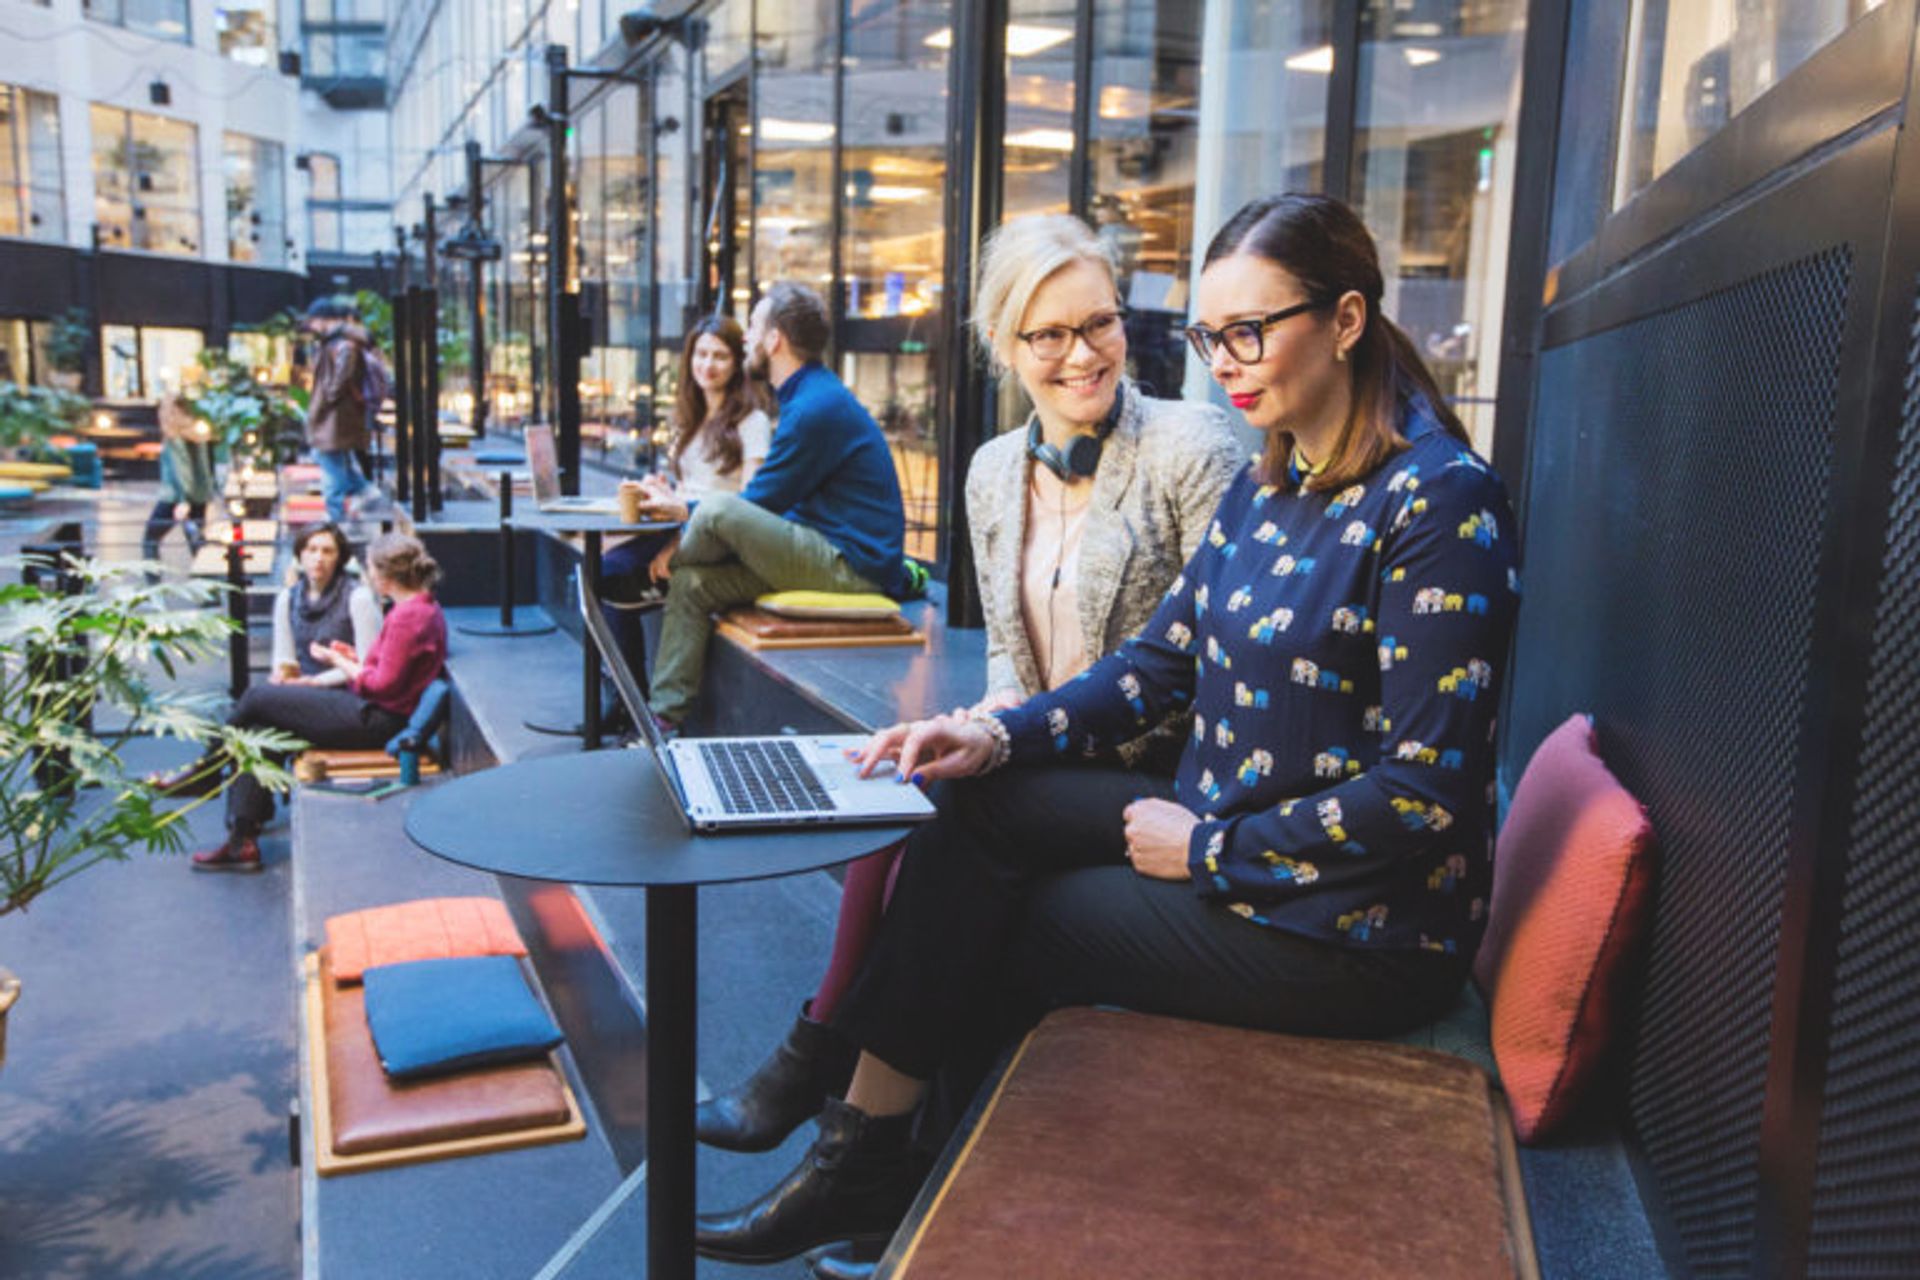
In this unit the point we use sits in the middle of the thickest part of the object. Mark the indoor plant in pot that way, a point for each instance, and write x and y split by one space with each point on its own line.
82 644
69 338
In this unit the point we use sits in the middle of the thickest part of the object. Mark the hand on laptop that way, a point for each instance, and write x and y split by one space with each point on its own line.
944 747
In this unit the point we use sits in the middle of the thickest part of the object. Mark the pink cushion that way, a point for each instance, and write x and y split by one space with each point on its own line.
1572 881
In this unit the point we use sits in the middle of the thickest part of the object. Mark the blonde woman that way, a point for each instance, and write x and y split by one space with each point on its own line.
1081 516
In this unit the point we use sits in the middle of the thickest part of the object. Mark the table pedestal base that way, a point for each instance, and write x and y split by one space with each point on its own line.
672 928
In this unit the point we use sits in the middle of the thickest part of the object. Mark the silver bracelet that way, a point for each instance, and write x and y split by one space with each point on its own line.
997 729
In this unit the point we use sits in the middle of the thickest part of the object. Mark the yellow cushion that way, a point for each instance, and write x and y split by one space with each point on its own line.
828 604
35 470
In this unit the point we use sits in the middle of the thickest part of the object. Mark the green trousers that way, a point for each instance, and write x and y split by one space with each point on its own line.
732 552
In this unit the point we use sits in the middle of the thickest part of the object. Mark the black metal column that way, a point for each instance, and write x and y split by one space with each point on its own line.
476 299
976 119
403 375
563 306
1343 100
426 437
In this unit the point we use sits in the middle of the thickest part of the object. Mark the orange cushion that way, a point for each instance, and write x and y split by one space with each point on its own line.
1572 881
428 929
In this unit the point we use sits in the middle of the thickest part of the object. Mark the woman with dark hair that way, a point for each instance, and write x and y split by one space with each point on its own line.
324 604
374 703
720 437
1321 862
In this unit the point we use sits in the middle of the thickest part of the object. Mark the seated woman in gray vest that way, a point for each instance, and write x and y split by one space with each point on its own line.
1080 518
324 604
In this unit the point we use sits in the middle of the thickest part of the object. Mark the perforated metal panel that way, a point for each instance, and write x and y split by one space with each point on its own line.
1867 1190
1678 488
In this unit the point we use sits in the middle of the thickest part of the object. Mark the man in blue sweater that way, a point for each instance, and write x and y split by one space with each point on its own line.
822 513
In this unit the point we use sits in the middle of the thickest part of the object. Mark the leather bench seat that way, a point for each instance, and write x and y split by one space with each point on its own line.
1119 1145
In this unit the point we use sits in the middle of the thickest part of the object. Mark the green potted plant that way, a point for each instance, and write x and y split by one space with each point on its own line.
31 416
110 645
69 339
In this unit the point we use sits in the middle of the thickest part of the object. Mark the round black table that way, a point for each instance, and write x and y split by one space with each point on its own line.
608 818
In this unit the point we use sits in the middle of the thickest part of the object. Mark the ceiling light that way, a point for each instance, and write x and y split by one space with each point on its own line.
1023 38
1317 60
1417 57
777 130
1042 139
887 194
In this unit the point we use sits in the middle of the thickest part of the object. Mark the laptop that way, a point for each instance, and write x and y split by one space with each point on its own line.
544 462
770 783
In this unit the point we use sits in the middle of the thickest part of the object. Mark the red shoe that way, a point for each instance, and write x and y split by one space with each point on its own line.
239 853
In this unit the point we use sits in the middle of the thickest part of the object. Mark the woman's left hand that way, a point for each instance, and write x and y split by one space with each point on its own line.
1157 835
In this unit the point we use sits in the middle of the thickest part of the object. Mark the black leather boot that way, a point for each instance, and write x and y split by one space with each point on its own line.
813 1064
845 1262
855 1183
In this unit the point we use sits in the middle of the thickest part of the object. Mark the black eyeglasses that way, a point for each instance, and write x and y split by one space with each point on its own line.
1245 340
1053 341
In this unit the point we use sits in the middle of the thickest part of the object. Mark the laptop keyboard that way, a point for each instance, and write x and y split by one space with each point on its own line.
764 777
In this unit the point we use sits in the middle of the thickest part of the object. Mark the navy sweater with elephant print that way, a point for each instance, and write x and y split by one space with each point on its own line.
1338 652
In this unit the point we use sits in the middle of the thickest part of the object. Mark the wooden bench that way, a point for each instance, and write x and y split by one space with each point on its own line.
418 748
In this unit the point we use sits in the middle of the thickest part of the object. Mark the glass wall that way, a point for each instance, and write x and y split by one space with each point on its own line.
32 202
1037 172
147 363
23 352
256 201
893 109
675 297
1142 148
611 199
1692 65
162 19
1439 101
793 145
146 181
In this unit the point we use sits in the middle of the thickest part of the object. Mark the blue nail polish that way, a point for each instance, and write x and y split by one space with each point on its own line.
899 777
919 778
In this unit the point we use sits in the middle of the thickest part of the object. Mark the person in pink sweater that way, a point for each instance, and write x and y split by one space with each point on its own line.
375 703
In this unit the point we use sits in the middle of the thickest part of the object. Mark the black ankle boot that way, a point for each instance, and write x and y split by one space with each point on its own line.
845 1261
855 1183
784 1092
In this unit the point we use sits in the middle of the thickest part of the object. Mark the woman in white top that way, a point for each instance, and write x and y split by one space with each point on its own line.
720 437
324 604
1081 518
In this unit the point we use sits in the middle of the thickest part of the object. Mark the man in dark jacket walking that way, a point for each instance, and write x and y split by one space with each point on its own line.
337 409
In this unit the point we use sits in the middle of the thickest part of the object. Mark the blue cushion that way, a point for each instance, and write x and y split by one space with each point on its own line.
433 1016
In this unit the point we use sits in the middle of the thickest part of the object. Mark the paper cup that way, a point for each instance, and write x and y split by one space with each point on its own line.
630 496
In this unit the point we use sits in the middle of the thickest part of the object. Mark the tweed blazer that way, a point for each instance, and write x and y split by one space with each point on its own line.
1163 470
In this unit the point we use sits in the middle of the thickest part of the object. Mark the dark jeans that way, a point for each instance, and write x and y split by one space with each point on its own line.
623 576
160 519
324 717
1017 900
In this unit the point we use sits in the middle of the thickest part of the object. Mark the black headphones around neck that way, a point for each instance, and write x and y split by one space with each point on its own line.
1081 458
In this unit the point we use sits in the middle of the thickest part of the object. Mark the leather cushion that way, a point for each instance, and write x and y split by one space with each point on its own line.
373 1113
429 1017
1572 891
425 929
763 625
1122 1146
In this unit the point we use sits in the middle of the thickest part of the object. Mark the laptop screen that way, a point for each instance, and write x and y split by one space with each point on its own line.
544 463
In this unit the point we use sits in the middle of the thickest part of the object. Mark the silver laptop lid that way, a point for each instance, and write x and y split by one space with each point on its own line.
544 463
628 688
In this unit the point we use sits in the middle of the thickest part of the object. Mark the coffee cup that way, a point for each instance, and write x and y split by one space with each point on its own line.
631 496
